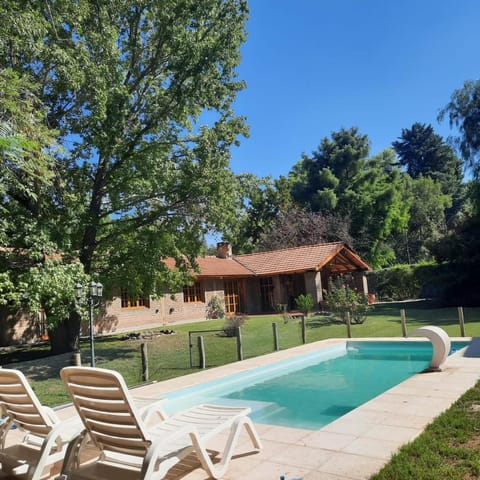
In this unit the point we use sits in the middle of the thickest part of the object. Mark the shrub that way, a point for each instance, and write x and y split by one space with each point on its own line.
305 303
395 283
343 301
231 324
215 308
404 282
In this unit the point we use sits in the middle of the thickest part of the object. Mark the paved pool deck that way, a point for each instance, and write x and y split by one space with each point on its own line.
353 447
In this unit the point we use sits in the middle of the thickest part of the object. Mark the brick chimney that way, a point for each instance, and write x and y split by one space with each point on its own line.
224 250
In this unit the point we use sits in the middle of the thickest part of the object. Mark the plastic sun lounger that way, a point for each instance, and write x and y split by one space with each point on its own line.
130 447
46 437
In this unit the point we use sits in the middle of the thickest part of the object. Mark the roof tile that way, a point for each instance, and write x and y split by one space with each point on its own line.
289 260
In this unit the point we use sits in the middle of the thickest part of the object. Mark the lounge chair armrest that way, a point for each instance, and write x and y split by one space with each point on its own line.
147 407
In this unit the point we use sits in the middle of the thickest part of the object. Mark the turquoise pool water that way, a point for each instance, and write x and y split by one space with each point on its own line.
315 389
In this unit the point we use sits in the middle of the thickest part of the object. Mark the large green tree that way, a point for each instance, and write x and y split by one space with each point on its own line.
340 178
27 168
141 95
261 200
426 219
463 112
423 152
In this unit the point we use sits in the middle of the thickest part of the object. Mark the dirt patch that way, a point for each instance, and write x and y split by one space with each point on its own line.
473 443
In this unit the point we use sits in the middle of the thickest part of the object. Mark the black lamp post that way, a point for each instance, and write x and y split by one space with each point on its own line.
92 298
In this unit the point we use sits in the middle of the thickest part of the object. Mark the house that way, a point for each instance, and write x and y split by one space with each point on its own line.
252 284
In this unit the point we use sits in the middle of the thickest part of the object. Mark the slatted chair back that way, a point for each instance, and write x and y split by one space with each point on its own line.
20 403
107 411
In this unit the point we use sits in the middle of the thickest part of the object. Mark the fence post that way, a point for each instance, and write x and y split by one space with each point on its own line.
239 344
76 359
144 353
349 326
190 347
403 320
304 330
276 346
461 319
201 351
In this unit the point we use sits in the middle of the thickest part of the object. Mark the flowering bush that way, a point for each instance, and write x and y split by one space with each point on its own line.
343 301
215 308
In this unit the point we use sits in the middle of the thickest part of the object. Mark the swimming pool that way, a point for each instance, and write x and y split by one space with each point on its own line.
312 390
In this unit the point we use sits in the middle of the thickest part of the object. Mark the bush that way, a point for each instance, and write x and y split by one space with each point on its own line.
395 283
404 282
231 324
305 303
344 301
215 308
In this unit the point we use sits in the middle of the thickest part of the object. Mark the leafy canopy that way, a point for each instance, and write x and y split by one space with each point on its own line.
139 96
340 179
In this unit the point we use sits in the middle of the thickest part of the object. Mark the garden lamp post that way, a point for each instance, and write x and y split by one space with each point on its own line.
92 299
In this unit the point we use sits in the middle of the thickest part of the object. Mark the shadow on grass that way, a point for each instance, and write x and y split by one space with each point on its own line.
323 323
425 312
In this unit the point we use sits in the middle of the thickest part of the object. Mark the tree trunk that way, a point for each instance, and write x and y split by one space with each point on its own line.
65 337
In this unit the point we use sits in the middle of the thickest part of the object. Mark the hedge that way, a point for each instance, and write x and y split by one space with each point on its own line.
448 283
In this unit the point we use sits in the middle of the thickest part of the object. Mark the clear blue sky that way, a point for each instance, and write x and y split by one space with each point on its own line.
315 66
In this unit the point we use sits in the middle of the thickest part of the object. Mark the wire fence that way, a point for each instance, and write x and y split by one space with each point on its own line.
161 357
207 348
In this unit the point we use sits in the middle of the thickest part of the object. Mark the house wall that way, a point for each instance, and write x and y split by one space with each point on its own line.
164 311
18 327
313 285
360 281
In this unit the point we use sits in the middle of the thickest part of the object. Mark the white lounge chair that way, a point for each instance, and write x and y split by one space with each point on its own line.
45 437
129 446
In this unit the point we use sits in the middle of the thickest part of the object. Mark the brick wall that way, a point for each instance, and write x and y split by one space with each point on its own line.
16 328
164 311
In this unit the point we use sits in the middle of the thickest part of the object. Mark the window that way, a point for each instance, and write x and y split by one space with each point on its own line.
134 302
193 293
234 296
266 294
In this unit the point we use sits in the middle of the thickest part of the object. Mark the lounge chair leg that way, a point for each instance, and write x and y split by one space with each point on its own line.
218 470
72 455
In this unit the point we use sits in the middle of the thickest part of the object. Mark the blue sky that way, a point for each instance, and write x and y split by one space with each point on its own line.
315 66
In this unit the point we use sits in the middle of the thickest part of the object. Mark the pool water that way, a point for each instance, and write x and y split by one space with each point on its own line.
317 391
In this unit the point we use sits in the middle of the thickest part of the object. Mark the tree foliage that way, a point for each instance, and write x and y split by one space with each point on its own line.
27 166
141 98
339 178
305 303
423 152
463 112
296 226
346 303
260 201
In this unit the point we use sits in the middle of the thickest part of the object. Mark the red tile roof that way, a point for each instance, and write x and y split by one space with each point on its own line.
299 259
217 267
287 260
